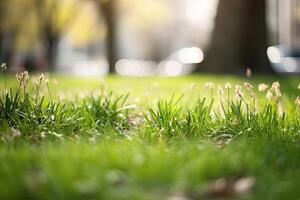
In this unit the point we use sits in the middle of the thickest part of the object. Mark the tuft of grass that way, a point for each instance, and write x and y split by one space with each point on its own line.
107 111
170 120
38 119
166 119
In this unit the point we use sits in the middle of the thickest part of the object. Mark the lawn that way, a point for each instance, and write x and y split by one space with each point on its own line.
149 138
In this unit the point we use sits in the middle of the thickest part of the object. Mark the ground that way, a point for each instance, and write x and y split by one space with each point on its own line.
171 138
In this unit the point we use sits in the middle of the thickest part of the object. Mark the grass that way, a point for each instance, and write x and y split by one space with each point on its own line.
149 138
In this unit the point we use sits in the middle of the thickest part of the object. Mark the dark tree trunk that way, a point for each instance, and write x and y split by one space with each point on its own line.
108 10
51 43
239 39
7 37
8 50
49 37
1 49
1 32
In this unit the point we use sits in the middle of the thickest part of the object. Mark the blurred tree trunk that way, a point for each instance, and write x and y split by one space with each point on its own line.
239 39
49 36
1 43
1 47
108 10
1 32
51 42
8 49
7 37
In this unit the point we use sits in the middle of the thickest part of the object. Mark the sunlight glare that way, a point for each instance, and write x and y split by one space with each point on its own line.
172 67
274 54
190 55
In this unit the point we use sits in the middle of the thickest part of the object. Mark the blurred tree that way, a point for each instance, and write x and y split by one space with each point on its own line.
142 15
151 25
107 9
49 36
24 24
86 30
1 31
10 19
54 19
239 39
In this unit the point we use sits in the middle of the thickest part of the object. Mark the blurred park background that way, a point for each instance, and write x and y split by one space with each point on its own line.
150 37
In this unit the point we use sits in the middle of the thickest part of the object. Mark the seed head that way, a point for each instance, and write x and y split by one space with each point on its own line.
209 85
41 77
269 95
227 86
253 96
23 78
248 86
275 85
297 102
299 86
238 92
262 87
19 77
275 88
220 91
4 66
277 94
